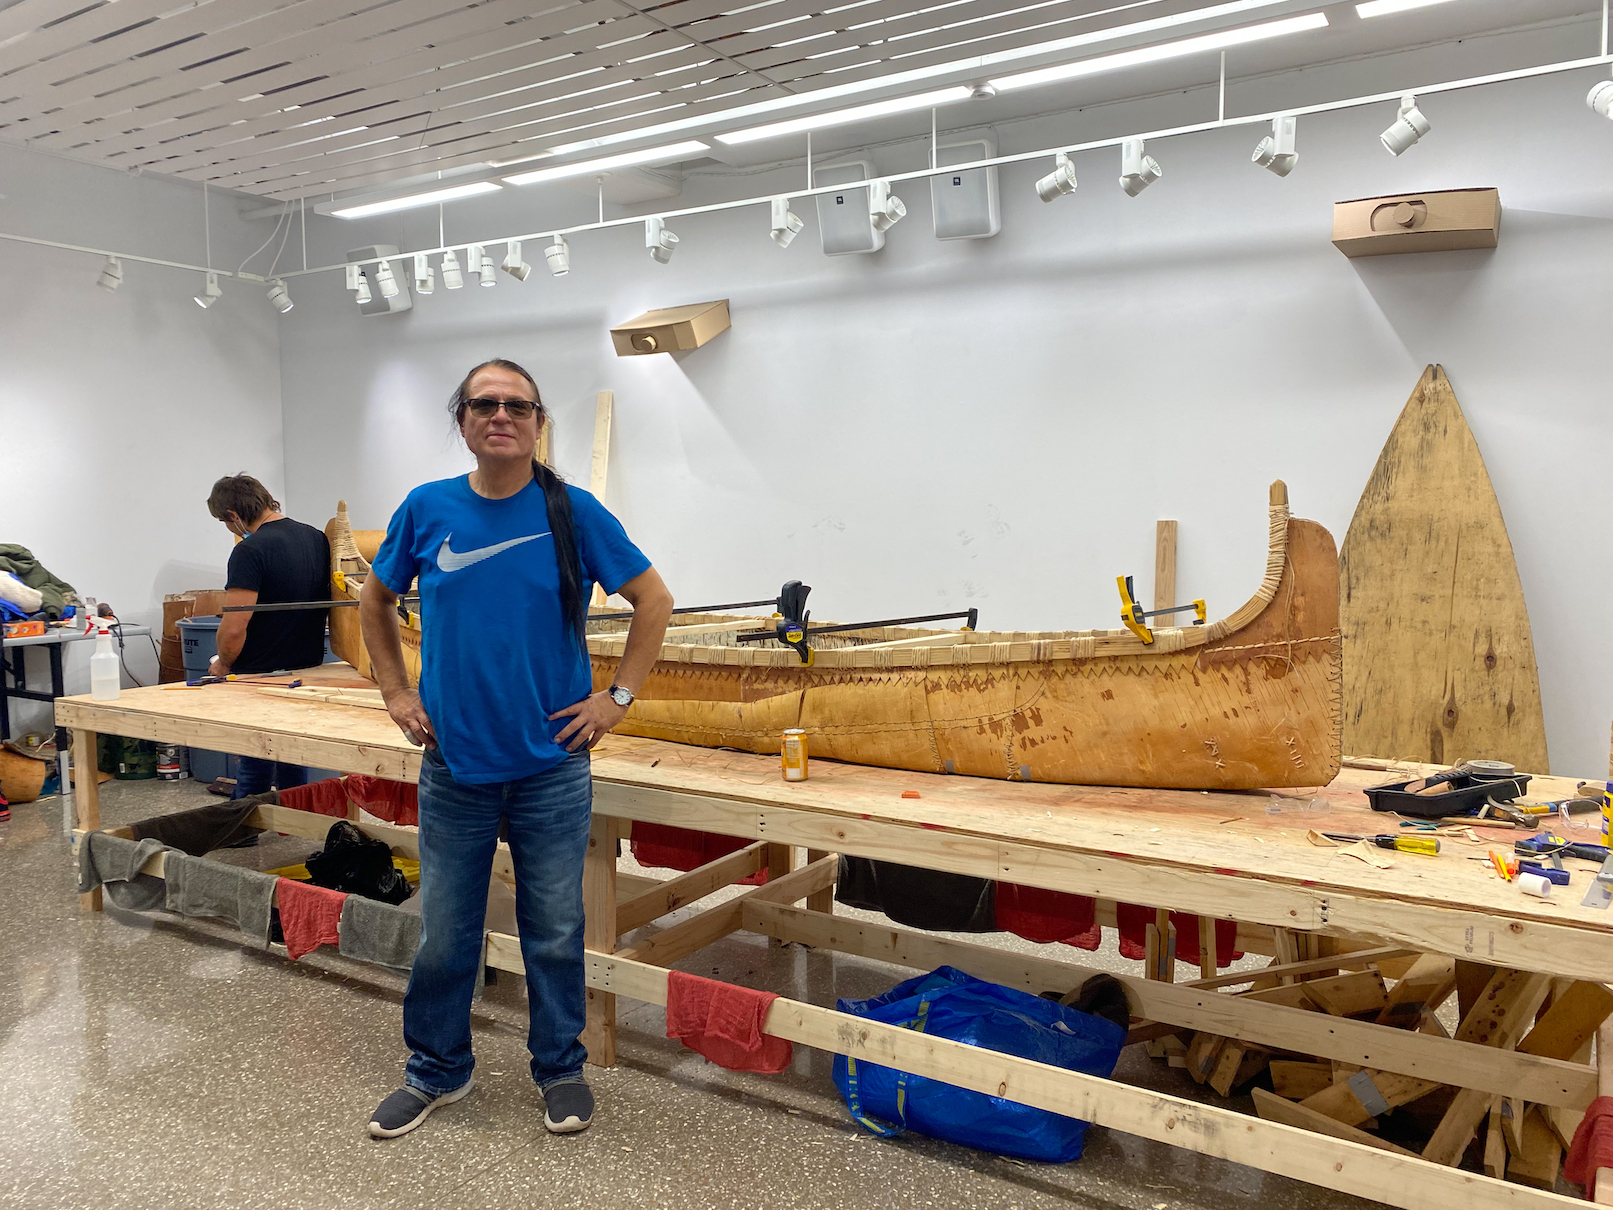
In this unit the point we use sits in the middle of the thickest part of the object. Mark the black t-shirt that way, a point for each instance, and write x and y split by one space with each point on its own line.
284 560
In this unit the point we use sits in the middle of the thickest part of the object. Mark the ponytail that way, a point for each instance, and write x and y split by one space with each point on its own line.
573 599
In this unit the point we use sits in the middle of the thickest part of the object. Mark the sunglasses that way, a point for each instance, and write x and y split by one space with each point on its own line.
516 409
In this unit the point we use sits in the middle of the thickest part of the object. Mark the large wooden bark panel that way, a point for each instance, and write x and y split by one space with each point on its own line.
1439 661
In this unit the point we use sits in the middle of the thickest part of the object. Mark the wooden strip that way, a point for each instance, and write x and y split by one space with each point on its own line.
1297 1080
599 465
1495 1146
1207 965
1340 1164
1349 995
675 893
1340 1102
86 794
1165 567
1423 988
824 900
1274 1109
599 934
1570 1022
1247 1017
1362 958
1540 1155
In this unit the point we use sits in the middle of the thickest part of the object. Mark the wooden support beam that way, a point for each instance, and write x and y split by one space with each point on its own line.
1499 1019
87 799
1349 995
1570 1022
1274 1109
1362 958
600 933
1536 1164
1343 1101
1248 1018
1295 1080
1423 988
824 900
1202 1054
1495 1146
677 892
1207 966
1342 1164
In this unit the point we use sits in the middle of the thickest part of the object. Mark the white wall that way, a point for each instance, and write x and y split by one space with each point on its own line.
999 423
119 410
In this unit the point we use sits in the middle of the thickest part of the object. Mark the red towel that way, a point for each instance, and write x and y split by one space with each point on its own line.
662 846
1134 921
309 915
394 801
1592 1147
724 1023
1037 914
322 797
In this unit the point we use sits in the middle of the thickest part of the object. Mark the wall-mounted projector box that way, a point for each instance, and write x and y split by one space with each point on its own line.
671 329
1442 221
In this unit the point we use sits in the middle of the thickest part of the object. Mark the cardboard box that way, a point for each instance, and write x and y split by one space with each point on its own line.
195 603
671 329
1444 220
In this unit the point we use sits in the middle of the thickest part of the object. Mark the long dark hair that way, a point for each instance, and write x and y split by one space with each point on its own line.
573 599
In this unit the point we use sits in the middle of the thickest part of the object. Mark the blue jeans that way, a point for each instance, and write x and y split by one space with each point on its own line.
255 776
546 820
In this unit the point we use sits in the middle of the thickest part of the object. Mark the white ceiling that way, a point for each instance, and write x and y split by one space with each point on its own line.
289 98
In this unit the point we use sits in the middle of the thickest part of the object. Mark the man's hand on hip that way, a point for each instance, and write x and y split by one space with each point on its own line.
409 713
592 719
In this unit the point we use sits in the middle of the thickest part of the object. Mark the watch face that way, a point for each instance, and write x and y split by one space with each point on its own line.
622 697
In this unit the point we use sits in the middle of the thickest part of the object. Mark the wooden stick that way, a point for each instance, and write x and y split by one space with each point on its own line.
600 932
1207 967
599 466
669 896
87 798
1165 565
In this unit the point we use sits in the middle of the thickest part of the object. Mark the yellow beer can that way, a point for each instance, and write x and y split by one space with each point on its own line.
793 755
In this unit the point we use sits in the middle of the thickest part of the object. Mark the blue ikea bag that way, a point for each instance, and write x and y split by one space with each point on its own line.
951 1004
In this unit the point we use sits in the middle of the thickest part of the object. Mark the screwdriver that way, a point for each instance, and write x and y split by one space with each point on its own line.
1426 845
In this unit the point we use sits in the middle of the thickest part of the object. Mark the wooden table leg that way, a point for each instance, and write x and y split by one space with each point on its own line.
87 799
1604 1088
824 900
599 933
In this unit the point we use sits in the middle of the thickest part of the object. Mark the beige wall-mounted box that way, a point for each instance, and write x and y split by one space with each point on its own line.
670 329
1442 221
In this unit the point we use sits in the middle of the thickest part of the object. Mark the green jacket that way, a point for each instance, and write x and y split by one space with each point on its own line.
20 562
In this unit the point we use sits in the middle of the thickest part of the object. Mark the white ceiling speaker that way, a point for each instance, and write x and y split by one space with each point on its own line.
964 202
661 242
425 277
1275 153
210 292
845 216
279 296
558 254
111 274
1407 129
1138 170
452 278
513 264
1060 182
786 223
1600 98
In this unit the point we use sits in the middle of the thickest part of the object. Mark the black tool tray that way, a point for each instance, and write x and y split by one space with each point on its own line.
1466 795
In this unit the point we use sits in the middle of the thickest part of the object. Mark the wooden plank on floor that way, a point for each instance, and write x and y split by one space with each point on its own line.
1274 1108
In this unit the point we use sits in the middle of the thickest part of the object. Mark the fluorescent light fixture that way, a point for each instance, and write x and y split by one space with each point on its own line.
279 296
976 63
411 200
673 151
210 292
839 117
111 274
1382 8
1166 50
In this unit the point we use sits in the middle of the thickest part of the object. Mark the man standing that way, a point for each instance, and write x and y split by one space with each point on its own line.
506 711
277 560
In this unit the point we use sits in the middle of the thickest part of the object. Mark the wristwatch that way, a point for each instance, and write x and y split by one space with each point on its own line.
621 696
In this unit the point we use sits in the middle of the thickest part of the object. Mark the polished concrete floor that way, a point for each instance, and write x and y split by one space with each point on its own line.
153 1061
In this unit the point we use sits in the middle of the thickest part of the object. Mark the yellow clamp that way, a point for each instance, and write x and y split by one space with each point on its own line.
1131 613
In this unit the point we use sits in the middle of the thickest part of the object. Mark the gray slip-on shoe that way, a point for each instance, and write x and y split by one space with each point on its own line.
408 1107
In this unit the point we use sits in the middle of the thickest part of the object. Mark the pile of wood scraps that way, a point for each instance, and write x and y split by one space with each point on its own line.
1512 1138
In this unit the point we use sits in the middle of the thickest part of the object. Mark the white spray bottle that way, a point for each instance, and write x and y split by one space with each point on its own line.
104 679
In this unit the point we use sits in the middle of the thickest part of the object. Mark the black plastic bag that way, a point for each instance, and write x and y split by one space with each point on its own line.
357 865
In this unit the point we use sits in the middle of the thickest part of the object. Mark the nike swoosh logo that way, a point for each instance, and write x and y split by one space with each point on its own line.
450 560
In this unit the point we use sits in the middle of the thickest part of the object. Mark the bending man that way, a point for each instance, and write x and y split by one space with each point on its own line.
506 558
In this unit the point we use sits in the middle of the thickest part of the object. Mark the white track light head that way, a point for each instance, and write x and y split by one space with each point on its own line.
279 296
1276 152
111 274
884 207
661 242
452 278
385 280
786 223
1138 170
210 292
1601 98
1407 129
558 254
358 284
425 277
1059 182
513 264
485 266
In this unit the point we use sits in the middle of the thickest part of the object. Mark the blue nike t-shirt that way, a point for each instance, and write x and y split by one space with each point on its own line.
497 660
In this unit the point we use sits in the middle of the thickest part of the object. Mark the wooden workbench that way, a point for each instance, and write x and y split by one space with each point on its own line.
1238 856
